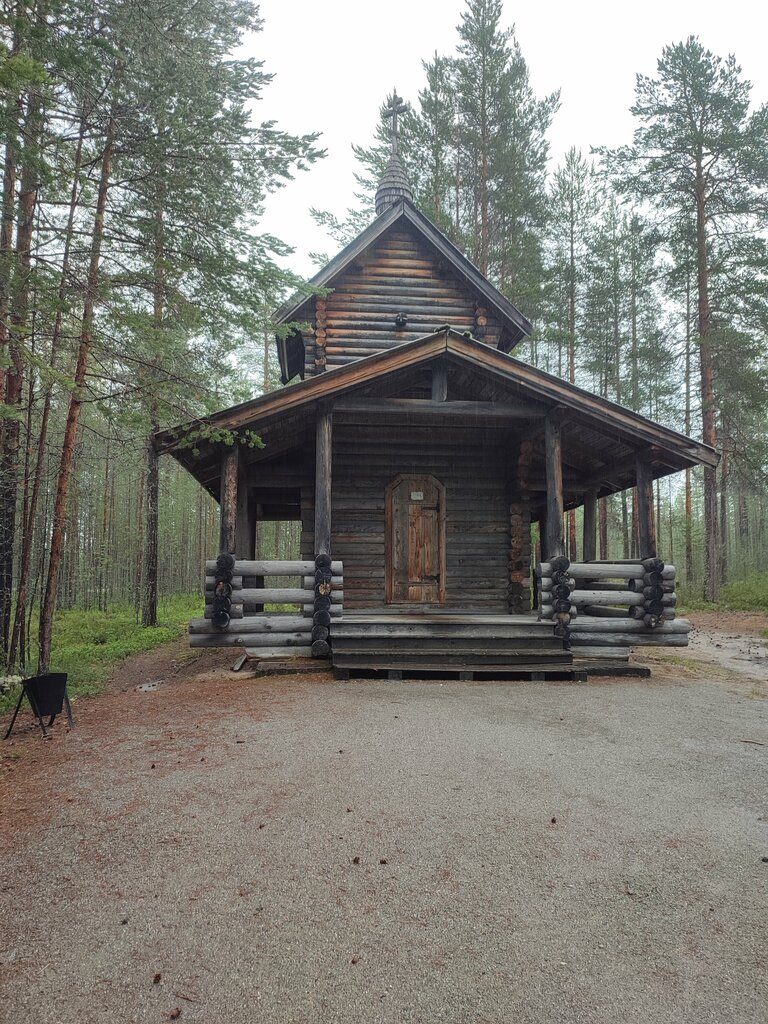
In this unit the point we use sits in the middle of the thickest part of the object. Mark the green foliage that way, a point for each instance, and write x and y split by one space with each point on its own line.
87 645
219 435
746 595
750 594
475 153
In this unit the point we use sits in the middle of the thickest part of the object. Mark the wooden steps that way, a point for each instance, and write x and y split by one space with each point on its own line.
500 646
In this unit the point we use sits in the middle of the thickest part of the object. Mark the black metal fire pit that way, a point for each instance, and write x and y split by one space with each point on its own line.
47 696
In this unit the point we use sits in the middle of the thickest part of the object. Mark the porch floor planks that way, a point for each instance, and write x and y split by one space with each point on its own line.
444 642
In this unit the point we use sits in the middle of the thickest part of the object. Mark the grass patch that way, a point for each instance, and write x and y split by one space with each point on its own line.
748 595
87 645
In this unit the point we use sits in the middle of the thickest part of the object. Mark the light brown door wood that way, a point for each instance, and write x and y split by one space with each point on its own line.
415 525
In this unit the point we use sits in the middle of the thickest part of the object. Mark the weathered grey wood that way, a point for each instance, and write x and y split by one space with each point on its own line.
210 582
598 597
260 639
228 500
554 539
280 653
245 640
627 625
548 612
236 611
323 481
336 581
284 595
400 408
335 611
598 651
649 639
646 516
245 526
607 611
639 612
247 567
546 584
589 531
595 571
273 595
610 587
264 623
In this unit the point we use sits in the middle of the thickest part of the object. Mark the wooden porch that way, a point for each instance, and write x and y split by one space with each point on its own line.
445 643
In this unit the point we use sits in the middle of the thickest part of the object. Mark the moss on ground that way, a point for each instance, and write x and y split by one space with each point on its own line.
747 595
88 644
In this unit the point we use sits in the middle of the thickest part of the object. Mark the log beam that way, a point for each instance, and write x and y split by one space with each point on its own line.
323 478
400 408
228 500
646 519
553 452
589 535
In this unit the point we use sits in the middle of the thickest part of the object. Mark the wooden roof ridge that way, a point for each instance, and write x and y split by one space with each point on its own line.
519 325
453 344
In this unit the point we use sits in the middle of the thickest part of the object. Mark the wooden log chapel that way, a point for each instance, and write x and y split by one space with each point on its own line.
417 452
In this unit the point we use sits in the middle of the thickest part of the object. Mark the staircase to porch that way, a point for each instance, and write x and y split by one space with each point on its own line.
441 644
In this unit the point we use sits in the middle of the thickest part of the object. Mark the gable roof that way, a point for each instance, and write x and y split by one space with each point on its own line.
297 308
633 431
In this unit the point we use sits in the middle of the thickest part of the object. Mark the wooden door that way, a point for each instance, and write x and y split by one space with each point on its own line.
415 525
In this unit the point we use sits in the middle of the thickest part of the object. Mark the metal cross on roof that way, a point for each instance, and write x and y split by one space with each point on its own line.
396 106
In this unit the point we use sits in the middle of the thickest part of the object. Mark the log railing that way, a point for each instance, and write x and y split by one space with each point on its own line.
237 591
612 606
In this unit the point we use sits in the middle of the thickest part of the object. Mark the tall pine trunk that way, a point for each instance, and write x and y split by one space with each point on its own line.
42 440
14 373
724 481
149 602
708 408
688 480
572 348
75 405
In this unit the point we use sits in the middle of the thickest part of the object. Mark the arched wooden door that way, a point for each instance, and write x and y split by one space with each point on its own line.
415 551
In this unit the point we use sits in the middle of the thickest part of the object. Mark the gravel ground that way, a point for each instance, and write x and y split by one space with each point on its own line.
274 850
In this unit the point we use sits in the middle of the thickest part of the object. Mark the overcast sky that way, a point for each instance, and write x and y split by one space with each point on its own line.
335 61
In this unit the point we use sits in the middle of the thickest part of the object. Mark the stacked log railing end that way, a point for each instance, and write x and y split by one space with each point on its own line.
556 587
321 618
223 605
621 604
236 596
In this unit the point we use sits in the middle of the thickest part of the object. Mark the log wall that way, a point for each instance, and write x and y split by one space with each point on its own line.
477 510
399 274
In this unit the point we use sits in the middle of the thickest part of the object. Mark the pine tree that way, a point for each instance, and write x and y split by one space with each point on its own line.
698 151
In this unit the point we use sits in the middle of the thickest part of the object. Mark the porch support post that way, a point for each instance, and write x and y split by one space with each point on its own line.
228 500
554 538
589 538
646 519
323 479
245 531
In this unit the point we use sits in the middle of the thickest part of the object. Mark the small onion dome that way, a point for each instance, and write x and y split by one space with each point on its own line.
393 186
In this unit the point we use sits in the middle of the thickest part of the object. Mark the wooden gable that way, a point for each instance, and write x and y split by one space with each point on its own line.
396 291
399 280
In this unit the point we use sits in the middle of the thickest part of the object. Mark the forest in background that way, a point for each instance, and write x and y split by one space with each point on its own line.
644 270
136 288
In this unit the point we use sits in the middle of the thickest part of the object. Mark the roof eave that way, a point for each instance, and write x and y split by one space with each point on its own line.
451 342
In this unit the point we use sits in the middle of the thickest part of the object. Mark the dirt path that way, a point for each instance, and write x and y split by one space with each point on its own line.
220 847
